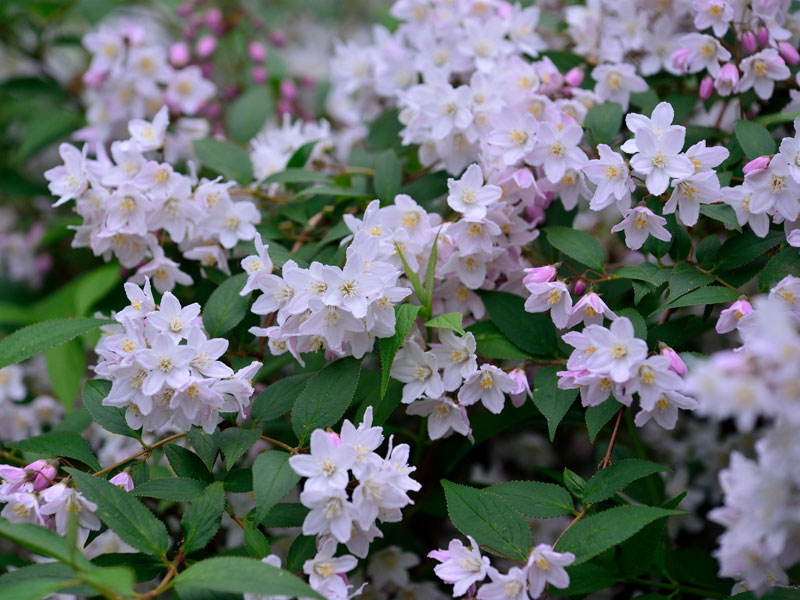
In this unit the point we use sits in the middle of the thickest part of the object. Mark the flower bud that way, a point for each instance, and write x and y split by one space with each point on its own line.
789 53
757 164
277 37
763 36
522 389
727 81
207 69
288 89
574 76
185 9
123 481
580 287
42 473
259 74
94 78
179 54
730 317
706 87
206 46
540 274
257 51
214 20
504 10
212 111
337 441
749 42
676 363
679 59
284 107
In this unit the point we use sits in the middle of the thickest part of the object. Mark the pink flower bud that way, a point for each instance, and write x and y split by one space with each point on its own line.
763 36
206 46
580 287
730 317
540 274
523 389
337 441
749 42
123 481
207 69
504 10
535 213
675 362
257 51
789 53
288 89
277 37
212 111
757 164
259 74
185 9
727 81
179 54
679 59
706 87
42 473
214 20
284 107
94 79
574 76
230 92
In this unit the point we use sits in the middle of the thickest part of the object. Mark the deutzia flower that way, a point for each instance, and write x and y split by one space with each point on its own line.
149 135
59 500
773 188
553 296
456 355
665 411
557 149
761 70
444 416
489 385
419 371
547 566
659 157
325 565
716 14
590 310
68 181
331 512
690 192
460 565
615 82
505 586
617 349
611 175
469 195
327 464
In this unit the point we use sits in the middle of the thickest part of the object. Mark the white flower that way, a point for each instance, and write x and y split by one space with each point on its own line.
557 149
547 566
325 565
461 565
773 189
761 70
149 135
351 288
665 411
659 157
470 196
640 222
68 181
553 296
188 90
331 512
617 349
590 310
615 82
166 363
489 385
391 565
59 500
716 14
690 192
327 464
419 371
444 416
170 318
611 175
456 356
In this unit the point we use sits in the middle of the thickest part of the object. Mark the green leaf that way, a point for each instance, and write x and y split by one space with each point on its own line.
384 131
177 489
298 176
534 498
489 519
711 294
40 133
68 444
578 245
113 582
447 321
745 248
416 284
493 344
326 397
574 483
66 367
300 157
597 416
587 578
225 308
686 278
202 519
599 532
247 114
754 139
255 542
235 441
786 262
272 480
303 548
34 590
430 275
123 513
533 333
332 190
647 272
285 514
204 444
616 478
186 463
36 338
109 418
94 286
240 575
388 176
723 213
224 158
41 541
405 315
552 402
278 398
604 121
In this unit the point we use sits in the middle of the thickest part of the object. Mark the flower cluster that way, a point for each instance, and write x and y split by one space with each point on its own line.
21 420
464 567
130 78
126 202
344 509
758 381
165 370
274 145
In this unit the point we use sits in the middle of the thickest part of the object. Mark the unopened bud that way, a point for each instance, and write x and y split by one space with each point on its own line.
574 76
789 53
706 87
749 42
757 164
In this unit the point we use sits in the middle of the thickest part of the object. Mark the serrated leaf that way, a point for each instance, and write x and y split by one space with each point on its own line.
68 444
597 416
224 158
285 514
604 121
754 139
41 541
384 131
243 576
278 398
686 278
235 441
388 176
110 418
302 549
742 249
300 157
272 480
599 532
647 272
247 114
534 498
552 402
66 367
124 514
447 321
204 444
186 463
491 343
616 478
723 213
587 578
711 294
202 519
298 176
225 308
489 519
578 245
177 489
405 315
786 262
34 590
33 339
533 333
255 542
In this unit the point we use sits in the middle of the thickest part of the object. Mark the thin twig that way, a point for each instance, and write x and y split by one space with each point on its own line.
147 450
275 442
607 458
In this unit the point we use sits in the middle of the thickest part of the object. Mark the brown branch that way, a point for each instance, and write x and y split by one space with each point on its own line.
607 458
147 450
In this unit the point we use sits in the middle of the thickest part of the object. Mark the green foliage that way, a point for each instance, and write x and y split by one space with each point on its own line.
272 480
224 158
754 139
616 478
248 113
552 402
534 499
388 176
225 308
278 398
531 333
578 245
405 315
602 123
33 339
447 321
58 443
109 418
234 442
201 520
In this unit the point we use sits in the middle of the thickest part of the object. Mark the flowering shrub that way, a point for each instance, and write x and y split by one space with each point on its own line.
492 301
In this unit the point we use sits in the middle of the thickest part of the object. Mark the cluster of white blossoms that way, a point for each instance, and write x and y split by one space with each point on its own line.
761 511
20 420
274 145
129 201
129 77
349 488
464 567
165 370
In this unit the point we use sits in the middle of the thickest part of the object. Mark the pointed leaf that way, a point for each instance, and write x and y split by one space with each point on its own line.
551 401
202 519
59 443
405 315
109 418
36 338
534 498
616 477
272 480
